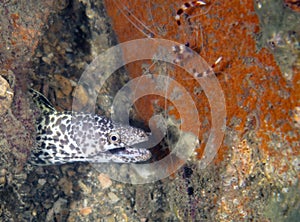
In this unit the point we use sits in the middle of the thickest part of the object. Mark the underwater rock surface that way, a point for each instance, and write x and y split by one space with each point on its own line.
257 167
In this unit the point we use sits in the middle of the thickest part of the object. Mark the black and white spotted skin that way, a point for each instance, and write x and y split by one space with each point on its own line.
64 137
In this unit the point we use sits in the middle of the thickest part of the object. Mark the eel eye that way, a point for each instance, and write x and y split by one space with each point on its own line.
114 138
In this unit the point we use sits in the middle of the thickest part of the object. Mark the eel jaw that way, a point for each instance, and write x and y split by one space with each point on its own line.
130 154
120 155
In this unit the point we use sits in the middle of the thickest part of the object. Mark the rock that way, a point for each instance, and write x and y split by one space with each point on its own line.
86 211
104 180
42 181
66 186
82 98
6 96
3 177
113 197
63 84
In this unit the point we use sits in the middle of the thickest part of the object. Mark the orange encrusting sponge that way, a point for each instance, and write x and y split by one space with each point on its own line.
255 91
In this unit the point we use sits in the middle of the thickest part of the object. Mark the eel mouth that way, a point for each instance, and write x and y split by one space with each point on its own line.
117 150
129 154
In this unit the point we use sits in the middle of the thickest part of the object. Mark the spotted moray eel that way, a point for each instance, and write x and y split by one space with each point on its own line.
65 137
